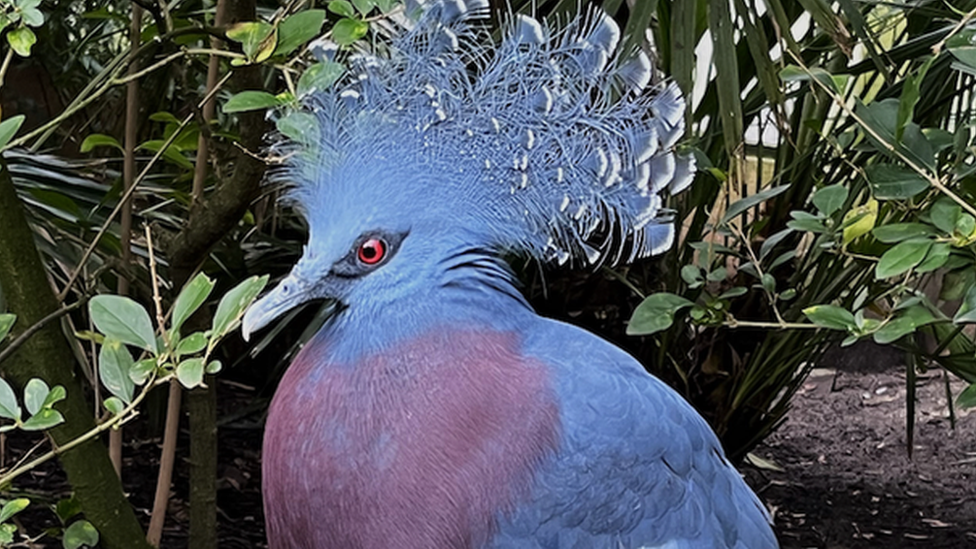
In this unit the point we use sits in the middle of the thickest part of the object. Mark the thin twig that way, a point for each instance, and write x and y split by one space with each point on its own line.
126 415
6 65
23 337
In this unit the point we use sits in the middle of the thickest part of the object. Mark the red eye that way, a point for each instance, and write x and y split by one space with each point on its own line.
372 251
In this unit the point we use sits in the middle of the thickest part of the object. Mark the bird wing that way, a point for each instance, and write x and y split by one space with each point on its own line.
637 465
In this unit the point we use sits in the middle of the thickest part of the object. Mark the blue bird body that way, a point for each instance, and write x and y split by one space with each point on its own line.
436 409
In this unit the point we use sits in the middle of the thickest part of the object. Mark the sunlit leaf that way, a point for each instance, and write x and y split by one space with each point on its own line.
79 534
99 140
191 297
190 372
123 319
13 507
8 402
232 306
45 419
8 129
114 363
21 40
35 393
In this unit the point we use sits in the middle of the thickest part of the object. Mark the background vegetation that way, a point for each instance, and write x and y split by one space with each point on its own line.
834 203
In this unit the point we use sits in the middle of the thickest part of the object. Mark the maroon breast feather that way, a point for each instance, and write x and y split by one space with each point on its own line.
421 446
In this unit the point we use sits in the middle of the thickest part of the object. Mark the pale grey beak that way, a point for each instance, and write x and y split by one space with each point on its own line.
288 294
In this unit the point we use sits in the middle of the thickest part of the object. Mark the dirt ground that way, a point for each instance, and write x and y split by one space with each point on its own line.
846 481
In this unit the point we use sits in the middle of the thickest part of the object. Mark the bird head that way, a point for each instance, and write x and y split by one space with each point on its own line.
550 142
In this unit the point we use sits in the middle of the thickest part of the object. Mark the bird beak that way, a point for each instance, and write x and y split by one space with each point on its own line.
289 293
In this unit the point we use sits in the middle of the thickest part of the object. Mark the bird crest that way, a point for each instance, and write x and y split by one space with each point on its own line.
549 141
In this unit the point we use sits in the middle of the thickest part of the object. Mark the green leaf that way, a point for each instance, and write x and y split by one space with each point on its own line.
963 47
114 405
830 199
944 214
717 275
140 371
909 98
967 398
691 274
364 6
735 291
8 129
859 221
892 182
937 257
904 324
319 77
193 294
67 508
831 316
234 303
386 5
80 534
342 7
171 153
967 310
656 313
298 29
794 73
45 419
898 232
214 366
32 17
346 31
57 394
8 402
114 363
6 323
13 507
299 126
21 40
123 319
257 39
191 344
740 206
902 257
35 393
99 140
250 100
190 372
806 222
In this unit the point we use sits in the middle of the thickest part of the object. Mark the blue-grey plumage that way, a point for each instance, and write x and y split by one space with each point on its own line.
436 409
638 467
